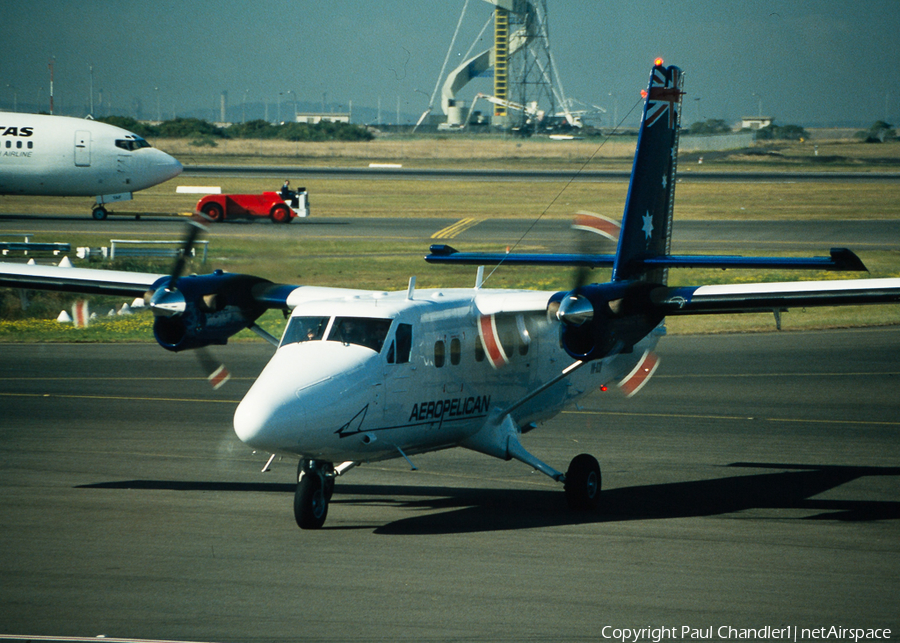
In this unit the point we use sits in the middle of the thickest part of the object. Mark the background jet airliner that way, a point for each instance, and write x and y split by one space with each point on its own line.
43 155
361 376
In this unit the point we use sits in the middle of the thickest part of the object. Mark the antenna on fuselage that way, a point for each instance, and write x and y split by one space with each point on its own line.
412 287
479 277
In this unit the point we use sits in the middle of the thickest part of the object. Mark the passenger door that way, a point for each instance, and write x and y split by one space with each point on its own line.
82 148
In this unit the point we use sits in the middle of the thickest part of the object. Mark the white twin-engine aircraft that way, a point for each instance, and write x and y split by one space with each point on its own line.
362 376
43 155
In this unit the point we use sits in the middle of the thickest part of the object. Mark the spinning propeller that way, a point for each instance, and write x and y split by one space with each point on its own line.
600 319
169 305
575 309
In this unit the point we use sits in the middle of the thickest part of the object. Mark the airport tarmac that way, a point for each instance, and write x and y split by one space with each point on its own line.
754 482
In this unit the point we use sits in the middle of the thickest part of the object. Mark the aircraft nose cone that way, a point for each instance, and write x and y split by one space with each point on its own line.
168 166
153 167
297 401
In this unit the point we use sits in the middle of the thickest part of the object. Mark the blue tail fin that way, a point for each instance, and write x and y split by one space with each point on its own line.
646 232
647 223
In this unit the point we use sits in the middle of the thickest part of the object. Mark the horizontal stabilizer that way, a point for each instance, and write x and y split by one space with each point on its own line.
839 259
447 254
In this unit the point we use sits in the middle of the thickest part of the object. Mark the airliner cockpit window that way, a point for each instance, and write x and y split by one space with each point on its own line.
305 329
363 331
131 144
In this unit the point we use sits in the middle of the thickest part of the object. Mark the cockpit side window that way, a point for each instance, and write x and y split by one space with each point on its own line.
305 329
362 331
401 347
131 144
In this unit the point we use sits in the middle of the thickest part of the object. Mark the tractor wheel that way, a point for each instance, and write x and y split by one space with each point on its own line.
214 212
280 214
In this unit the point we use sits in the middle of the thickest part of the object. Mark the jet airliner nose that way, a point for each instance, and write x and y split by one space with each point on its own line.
152 167
166 166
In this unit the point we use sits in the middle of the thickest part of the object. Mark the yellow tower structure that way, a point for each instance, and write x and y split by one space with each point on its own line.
501 59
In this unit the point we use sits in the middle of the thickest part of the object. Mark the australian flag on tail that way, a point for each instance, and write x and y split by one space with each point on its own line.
647 222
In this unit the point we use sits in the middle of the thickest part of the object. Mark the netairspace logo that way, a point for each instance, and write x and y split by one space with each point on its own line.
726 633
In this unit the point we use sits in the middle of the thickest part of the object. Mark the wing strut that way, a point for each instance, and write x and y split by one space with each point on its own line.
543 387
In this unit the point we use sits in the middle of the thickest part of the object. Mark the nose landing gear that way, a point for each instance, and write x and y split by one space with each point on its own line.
315 484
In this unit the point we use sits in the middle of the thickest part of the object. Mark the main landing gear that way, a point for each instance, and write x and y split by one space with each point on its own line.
582 483
315 484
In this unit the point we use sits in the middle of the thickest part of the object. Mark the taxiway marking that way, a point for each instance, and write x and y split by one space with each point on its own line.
452 231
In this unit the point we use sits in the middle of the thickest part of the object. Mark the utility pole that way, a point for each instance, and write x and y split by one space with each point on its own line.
50 65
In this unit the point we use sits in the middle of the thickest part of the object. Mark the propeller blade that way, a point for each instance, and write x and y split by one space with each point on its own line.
640 375
598 224
215 370
193 231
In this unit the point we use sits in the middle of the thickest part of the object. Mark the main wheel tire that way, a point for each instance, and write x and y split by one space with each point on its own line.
310 501
99 213
214 212
280 214
583 483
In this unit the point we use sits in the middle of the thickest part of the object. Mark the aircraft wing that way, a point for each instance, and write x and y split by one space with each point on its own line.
492 302
83 280
764 297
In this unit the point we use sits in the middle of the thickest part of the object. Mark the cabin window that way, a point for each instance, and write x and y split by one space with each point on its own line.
439 353
361 331
479 351
401 347
30 145
8 144
19 145
455 351
304 329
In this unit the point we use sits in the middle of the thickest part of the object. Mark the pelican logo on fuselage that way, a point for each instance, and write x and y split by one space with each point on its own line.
438 410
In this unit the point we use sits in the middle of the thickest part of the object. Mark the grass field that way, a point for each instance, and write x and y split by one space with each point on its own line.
452 150
388 265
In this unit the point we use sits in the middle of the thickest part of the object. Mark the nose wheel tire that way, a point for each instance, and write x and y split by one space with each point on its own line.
583 482
311 497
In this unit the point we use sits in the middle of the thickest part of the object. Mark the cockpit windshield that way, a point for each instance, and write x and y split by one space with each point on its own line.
131 144
362 331
305 329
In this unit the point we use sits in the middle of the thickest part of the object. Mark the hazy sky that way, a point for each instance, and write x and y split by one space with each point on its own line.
807 62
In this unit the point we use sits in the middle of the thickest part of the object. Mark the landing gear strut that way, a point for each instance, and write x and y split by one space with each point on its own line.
315 484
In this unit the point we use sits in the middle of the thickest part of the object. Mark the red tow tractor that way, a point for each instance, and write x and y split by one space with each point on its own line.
219 207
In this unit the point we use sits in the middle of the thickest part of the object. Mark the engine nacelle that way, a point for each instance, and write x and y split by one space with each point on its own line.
204 310
602 319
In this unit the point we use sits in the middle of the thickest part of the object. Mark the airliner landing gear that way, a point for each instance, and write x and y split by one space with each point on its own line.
99 212
582 485
315 483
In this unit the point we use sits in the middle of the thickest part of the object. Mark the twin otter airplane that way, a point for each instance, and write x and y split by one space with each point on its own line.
43 155
361 376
